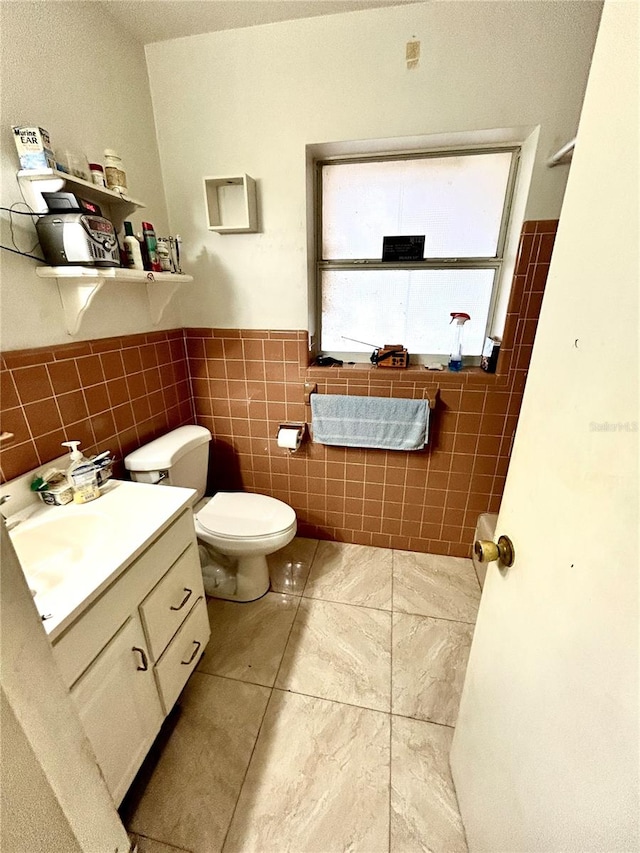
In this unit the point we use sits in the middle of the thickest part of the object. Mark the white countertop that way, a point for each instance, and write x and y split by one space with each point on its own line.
113 531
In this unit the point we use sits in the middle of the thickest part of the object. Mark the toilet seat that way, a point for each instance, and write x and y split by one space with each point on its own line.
244 515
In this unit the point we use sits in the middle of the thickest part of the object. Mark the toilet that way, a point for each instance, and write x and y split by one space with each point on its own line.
235 530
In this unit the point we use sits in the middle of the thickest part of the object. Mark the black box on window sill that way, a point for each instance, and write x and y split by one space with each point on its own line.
490 353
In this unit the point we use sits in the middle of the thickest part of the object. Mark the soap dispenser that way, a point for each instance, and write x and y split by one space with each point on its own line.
82 475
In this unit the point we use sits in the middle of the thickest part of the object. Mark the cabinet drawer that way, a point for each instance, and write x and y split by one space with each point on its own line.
168 604
182 655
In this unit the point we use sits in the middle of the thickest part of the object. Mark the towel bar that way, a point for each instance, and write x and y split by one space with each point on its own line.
429 394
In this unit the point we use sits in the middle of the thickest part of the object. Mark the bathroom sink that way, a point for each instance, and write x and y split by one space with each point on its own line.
52 549
70 555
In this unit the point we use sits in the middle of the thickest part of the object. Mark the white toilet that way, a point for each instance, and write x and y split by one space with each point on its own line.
235 530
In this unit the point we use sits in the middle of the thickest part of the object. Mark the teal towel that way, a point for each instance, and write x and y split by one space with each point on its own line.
381 422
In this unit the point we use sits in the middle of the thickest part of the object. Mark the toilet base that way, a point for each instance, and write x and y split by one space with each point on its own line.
245 578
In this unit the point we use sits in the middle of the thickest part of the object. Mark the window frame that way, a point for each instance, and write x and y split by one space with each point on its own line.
495 263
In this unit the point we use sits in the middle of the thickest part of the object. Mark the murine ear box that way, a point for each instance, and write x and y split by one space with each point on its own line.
34 148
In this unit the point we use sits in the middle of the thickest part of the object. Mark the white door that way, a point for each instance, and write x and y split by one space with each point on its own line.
545 753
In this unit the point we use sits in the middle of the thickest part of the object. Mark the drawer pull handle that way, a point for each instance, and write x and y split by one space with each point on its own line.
145 665
184 600
193 654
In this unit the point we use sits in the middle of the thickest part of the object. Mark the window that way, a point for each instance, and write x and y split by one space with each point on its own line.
457 201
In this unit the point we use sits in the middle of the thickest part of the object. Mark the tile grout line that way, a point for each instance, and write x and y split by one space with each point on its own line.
333 701
246 771
437 618
286 645
348 603
255 743
271 690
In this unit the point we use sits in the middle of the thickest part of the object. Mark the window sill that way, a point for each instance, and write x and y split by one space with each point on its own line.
416 374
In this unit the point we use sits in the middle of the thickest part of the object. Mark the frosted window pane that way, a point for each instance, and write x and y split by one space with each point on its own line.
456 202
409 307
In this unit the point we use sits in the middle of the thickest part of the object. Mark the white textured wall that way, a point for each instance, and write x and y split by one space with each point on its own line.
249 100
68 68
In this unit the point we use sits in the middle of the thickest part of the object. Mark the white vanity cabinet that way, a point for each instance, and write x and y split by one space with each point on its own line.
128 656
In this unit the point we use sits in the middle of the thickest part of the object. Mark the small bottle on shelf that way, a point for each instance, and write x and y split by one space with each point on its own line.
134 254
97 174
152 246
164 255
146 262
115 175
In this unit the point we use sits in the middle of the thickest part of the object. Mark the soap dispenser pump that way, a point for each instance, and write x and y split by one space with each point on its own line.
82 475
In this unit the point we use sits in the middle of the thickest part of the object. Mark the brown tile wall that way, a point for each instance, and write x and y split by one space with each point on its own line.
112 393
247 382
117 393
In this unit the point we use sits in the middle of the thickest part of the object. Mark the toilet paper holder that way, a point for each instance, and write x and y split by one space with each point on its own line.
290 435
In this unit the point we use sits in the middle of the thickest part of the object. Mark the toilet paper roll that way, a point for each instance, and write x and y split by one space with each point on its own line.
289 437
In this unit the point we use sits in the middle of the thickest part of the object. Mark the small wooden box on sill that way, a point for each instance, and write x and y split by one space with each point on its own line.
231 204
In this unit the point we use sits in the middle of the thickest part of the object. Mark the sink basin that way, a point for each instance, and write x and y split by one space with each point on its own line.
53 548
70 555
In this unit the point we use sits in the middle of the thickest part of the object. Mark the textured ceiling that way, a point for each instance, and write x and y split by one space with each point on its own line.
159 20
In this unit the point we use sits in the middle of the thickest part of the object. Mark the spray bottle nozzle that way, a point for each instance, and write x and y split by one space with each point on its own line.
460 317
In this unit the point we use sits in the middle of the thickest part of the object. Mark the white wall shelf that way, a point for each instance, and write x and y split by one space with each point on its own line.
114 206
231 204
79 285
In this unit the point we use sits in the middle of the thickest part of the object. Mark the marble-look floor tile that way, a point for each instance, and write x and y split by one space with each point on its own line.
431 585
318 781
289 567
248 640
429 663
352 574
150 845
424 807
339 652
189 798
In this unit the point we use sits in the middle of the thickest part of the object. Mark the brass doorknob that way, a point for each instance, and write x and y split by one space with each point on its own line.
487 551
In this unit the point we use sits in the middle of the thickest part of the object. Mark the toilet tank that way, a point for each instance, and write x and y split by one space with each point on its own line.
179 458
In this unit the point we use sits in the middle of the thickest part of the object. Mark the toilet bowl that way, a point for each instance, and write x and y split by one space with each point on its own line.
245 527
236 530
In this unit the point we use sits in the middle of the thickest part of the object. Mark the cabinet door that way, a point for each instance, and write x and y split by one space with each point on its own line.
119 706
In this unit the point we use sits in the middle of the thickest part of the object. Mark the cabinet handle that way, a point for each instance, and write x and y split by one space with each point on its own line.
184 600
145 665
193 654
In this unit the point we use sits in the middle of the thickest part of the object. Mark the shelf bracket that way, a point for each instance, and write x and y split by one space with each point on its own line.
76 298
78 286
160 295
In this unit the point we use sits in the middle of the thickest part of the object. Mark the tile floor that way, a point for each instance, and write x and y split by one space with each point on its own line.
320 717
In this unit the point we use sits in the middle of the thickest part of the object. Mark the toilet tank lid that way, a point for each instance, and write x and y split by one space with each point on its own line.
165 451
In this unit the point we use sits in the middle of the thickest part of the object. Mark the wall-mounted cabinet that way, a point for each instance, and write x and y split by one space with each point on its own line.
231 204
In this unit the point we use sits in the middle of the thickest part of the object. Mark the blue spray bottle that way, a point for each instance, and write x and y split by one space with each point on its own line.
455 360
